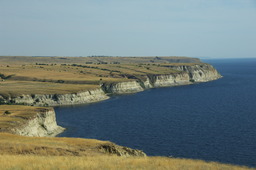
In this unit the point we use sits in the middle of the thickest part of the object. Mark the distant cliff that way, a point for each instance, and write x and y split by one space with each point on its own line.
59 99
186 74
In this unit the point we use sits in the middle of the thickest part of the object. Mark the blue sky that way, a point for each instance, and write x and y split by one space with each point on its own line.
195 28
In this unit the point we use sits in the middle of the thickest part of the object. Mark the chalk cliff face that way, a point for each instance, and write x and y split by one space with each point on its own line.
61 99
199 72
123 87
171 80
187 74
42 124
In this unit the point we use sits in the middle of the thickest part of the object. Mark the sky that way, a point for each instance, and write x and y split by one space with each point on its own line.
193 28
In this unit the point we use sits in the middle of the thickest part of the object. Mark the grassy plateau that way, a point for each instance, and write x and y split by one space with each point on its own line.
61 75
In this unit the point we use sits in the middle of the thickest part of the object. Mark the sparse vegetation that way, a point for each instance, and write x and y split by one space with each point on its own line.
28 162
18 88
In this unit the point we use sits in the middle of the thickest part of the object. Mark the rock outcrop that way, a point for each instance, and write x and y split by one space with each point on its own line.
123 87
184 75
199 72
42 124
114 149
170 80
89 96
187 74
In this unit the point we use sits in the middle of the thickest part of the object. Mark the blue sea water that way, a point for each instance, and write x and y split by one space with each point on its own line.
213 121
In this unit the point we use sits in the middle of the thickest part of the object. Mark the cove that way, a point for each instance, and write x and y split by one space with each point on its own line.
213 121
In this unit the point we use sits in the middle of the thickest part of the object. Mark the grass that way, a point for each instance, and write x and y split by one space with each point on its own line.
19 152
41 75
27 162
49 146
17 88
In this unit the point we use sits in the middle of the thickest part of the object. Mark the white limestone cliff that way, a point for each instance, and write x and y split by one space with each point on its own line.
42 124
187 74
123 87
89 96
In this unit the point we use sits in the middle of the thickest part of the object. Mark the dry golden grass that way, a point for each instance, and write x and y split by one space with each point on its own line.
49 146
16 88
80 73
19 152
61 79
28 162
139 69
54 73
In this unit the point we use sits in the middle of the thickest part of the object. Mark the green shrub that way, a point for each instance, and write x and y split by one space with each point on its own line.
7 112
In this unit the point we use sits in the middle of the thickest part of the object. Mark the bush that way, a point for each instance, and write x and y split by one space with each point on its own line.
60 81
7 112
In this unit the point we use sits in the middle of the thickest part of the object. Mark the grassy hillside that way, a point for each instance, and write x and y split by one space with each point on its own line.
44 75
19 152
28 162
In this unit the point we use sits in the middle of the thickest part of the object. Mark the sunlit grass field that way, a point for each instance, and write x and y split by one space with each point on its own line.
17 88
28 162
49 146
18 152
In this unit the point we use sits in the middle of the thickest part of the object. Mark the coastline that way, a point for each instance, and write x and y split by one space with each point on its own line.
44 122
107 90
186 75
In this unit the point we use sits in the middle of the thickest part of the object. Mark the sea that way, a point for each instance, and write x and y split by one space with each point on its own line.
213 121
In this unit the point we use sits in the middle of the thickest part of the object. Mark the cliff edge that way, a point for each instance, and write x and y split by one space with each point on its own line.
28 121
180 75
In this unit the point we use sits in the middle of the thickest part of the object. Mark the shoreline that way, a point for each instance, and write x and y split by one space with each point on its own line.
44 124
187 75
37 124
